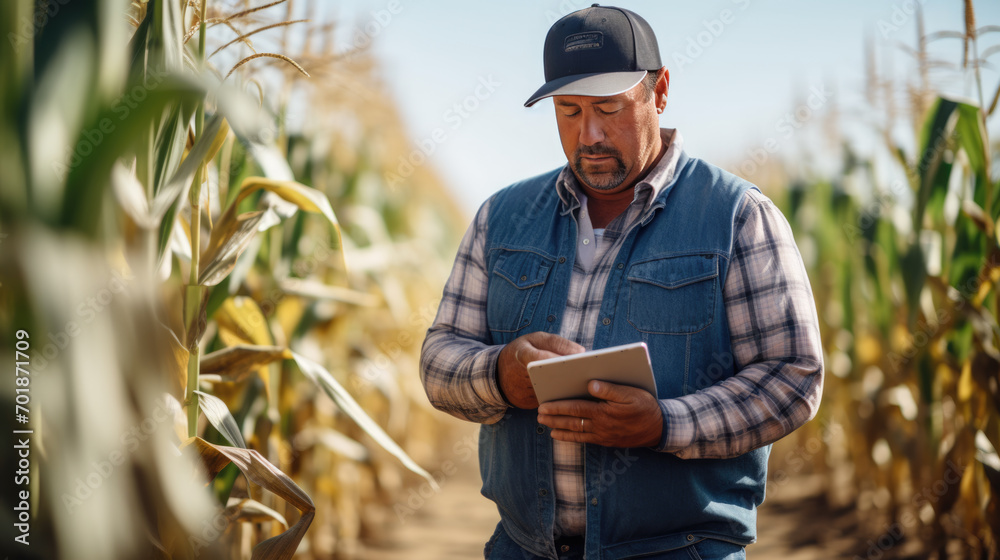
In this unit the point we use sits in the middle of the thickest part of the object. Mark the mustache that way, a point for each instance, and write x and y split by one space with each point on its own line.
597 150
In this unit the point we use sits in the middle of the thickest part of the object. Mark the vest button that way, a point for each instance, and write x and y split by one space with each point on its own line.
551 318
540 430
543 492
524 278
593 501
564 548
562 260
621 266
606 321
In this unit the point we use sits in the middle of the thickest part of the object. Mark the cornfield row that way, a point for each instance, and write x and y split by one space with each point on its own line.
906 274
212 310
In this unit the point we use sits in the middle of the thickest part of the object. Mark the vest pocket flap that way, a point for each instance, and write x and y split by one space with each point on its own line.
676 272
523 269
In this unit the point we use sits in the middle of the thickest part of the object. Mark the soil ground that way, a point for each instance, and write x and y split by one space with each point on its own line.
794 523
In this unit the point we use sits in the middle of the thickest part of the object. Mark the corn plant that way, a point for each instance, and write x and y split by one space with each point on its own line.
906 281
135 167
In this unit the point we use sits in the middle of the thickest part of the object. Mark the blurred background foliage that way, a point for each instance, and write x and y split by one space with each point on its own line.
903 253
224 316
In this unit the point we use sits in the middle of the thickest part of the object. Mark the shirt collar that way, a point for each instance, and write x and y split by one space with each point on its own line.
659 176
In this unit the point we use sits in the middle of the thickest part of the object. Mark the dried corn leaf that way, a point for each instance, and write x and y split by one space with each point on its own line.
236 362
985 369
306 198
219 140
252 511
242 316
269 477
318 290
993 476
229 239
952 468
332 440
321 377
178 367
219 416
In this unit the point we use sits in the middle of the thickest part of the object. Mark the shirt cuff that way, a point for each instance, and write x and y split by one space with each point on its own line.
678 426
487 384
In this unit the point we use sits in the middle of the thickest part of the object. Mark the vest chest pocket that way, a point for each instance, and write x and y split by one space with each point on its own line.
675 295
515 285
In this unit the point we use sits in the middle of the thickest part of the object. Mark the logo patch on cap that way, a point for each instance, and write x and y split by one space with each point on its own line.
580 41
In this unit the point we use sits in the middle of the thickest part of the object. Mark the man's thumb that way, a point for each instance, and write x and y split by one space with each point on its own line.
605 391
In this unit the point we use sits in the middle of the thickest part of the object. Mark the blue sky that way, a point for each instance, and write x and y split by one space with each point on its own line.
739 71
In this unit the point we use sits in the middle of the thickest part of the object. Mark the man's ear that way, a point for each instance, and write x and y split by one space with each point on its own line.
662 87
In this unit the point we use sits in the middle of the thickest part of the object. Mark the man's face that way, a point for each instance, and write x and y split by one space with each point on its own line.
610 141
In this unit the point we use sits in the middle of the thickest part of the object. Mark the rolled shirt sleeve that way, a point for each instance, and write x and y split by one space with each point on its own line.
457 366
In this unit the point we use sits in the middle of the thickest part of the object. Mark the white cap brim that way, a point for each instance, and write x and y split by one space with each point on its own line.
604 84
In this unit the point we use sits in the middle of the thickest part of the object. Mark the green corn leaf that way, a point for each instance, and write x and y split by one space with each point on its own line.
933 139
914 272
971 131
165 203
967 257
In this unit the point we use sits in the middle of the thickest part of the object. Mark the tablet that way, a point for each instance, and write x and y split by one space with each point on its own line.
566 377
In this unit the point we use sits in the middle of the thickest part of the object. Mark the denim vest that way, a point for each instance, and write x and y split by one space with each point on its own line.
665 289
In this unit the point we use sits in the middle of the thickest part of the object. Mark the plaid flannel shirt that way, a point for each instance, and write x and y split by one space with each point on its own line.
772 320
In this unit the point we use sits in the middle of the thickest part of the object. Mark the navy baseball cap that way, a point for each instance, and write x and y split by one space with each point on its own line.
597 51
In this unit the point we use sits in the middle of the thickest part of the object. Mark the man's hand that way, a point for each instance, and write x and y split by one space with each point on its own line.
623 417
512 368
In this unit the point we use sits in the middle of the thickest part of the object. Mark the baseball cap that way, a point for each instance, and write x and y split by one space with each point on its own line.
597 51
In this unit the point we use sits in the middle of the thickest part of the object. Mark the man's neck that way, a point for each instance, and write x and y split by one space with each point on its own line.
604 206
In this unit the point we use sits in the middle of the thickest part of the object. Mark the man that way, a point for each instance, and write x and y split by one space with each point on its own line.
631 241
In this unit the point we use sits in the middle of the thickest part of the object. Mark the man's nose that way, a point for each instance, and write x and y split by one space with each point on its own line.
591 131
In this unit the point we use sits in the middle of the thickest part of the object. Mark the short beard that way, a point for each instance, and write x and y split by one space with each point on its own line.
613 180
